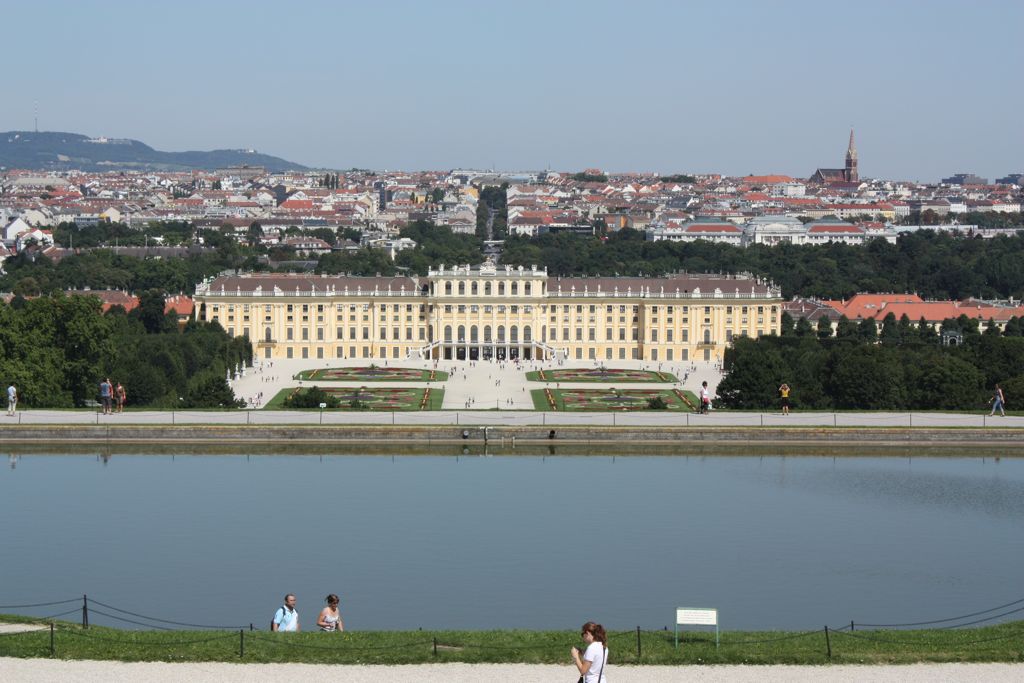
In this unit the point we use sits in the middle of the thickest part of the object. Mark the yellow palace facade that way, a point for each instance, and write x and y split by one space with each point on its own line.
491 312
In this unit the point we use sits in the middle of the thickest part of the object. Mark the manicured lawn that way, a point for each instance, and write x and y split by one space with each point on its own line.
373 373
375 398
606 375
610 399
1000 643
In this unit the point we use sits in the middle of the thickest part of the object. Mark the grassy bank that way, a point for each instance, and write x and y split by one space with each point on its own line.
1002 643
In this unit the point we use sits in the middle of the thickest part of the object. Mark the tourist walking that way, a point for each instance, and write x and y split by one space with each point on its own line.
12 398
330 617
286 618
998 401
590 662
705 398
120 395
784 396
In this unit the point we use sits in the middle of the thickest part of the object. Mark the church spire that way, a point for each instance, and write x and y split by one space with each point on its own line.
851 161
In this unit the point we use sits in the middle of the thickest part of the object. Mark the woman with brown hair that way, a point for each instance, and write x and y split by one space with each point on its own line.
591 661
330 617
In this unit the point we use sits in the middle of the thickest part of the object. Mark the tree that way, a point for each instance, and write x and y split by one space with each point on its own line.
926 332
803 328
906 328
26 287
786 324
890 330
151 311
867 377
846 328
867 330
311 398
824 327
254 235
209 390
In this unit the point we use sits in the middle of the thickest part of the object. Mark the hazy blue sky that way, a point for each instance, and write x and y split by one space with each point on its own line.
932 87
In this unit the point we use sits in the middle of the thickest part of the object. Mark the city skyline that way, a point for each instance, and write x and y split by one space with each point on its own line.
701 88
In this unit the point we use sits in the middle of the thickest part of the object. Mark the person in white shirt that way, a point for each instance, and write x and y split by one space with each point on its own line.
591 662
12 399
286 618
705 398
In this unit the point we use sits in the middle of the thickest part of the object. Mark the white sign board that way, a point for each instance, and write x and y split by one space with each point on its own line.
697 616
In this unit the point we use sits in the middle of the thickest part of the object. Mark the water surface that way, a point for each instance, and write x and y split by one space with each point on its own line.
515 542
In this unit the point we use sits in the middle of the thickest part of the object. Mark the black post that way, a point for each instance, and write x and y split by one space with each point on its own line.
85 611
250 627
638 651
241 643
851 626
53 651
435 646
828 643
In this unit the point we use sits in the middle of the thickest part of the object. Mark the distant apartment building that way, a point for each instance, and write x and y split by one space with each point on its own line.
964 179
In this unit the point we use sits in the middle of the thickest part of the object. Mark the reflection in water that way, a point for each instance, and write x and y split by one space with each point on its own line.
916 485
478 540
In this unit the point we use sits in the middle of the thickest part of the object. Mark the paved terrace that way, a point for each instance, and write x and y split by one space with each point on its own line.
497 394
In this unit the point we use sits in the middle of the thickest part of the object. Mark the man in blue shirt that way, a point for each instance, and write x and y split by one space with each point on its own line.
286 618
106 389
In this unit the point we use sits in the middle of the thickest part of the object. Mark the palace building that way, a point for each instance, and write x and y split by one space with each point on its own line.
491 312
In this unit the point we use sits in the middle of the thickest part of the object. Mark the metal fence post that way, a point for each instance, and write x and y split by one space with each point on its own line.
241 643
85 611
53 650
828 643
638 652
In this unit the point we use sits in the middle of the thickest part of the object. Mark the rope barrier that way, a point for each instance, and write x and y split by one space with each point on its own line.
981 621
771 640
941 621
130 621
899 641
41 604
165 621
76 610
83 634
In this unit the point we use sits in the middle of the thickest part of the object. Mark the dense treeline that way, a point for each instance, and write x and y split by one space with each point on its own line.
936 265
104 269
434 245
902 367
70 235
57 349
492 199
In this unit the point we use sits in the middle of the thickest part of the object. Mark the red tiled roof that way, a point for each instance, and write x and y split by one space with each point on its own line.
819 228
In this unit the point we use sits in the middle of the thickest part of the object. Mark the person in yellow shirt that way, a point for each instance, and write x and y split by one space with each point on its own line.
784 393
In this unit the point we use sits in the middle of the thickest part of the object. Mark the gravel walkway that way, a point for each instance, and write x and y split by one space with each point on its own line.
18 670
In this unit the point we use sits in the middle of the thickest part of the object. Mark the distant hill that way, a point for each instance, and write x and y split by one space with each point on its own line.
66 151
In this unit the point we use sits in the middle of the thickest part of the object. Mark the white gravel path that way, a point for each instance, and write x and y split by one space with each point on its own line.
32 670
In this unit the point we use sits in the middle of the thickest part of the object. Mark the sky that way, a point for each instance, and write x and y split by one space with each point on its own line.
931 87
